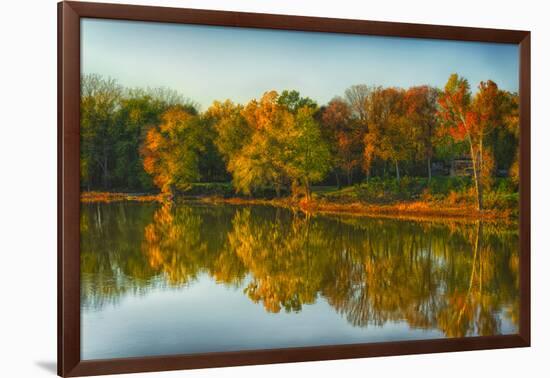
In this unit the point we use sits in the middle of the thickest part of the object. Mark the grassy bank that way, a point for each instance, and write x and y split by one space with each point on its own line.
444 195
412 210
441 197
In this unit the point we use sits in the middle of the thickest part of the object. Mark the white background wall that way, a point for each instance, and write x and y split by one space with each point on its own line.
28 186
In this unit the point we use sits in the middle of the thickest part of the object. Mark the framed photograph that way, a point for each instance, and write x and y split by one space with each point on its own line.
240 188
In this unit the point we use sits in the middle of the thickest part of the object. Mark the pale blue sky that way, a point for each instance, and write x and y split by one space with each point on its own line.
207 63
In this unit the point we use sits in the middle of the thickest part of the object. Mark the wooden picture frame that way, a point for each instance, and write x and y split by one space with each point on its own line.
69 16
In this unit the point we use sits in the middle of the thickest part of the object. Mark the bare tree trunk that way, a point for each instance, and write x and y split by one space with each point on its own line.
479 194
480 173
429 169
105 170
475 168
338 184
308 189
397 171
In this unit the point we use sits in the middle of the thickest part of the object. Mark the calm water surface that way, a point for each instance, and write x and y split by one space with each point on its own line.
190 278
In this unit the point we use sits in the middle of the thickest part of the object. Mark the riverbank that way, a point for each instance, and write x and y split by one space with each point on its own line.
106 197
410 210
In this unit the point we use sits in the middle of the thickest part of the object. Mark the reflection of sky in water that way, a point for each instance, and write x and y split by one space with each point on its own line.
207 317
160 280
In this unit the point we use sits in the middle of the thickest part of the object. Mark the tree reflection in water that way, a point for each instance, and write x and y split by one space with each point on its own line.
456 277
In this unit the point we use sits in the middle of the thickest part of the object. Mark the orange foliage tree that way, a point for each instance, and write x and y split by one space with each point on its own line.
420 109
342 136
171 150
388 136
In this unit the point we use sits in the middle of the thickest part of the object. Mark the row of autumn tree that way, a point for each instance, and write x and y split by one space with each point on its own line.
140 139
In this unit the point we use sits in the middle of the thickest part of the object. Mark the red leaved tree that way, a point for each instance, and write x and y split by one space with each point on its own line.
471 120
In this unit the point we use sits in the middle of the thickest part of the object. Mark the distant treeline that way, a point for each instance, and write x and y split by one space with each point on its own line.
155 139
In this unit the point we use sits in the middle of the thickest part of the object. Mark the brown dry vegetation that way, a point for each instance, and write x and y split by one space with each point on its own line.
413 210
105 197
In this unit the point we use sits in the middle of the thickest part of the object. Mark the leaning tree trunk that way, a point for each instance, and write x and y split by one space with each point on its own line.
476 168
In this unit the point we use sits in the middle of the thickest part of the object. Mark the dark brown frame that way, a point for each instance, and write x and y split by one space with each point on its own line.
69 14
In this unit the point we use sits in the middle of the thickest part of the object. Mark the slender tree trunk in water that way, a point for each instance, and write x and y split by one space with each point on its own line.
349 176
338 184
308 254
477 248
397 171
98 211
429 169
278 190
